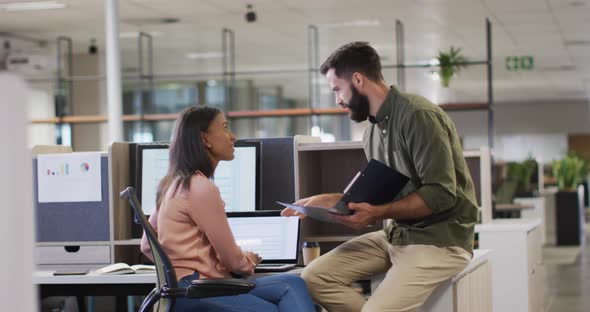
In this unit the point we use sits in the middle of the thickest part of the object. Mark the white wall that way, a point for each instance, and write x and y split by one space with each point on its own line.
517 147
540 129
521 129
544 117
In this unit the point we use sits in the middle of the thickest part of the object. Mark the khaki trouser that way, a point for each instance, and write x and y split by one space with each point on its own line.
413 272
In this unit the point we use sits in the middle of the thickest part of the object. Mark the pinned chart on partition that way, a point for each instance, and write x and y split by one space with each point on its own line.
73 177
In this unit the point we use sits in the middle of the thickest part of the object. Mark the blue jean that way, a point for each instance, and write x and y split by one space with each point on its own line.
279 292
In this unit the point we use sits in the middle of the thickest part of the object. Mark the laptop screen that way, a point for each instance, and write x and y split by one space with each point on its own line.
273 237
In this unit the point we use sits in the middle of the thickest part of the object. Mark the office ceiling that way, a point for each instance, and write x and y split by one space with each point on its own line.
554 32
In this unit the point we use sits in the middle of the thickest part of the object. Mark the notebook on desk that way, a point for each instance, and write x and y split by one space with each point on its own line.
274 238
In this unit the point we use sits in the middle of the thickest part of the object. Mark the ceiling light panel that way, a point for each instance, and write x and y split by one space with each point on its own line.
31 6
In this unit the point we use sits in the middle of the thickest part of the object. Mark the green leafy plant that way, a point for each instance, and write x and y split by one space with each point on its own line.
569 172
450 62
522 172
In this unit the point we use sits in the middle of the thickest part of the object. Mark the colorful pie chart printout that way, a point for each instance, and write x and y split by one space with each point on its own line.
71 177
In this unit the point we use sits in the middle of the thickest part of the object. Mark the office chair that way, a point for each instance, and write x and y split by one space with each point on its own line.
167 290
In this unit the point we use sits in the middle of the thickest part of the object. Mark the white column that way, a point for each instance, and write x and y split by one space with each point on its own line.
16 264
113 60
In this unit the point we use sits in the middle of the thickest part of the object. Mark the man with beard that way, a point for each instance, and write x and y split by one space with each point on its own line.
430 231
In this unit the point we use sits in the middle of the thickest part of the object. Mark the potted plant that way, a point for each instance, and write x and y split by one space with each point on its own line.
450 62
569 200
523 173
569 172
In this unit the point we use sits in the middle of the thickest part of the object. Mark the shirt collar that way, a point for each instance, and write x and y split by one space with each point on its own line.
382 118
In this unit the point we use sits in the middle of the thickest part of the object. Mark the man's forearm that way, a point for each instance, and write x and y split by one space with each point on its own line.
407 208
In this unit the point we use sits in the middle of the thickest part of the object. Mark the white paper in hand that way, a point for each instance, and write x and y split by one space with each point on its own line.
318 213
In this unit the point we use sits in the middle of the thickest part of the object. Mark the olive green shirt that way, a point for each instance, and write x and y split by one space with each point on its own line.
415 137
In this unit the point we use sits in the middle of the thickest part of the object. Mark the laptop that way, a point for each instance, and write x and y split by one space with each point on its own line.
274 238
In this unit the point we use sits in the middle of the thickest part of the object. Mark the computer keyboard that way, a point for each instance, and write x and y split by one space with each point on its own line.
273 267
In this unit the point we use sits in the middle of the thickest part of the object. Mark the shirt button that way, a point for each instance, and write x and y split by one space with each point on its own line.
386 117
384 131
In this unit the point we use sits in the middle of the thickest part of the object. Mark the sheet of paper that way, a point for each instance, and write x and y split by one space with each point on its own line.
318 213
72 177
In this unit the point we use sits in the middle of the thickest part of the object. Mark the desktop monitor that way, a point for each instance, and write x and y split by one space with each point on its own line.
151 167
238 180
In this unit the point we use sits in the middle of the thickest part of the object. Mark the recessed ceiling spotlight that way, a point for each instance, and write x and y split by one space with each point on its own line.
92 48
250 14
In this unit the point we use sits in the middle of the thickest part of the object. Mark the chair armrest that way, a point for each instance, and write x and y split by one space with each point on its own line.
218 287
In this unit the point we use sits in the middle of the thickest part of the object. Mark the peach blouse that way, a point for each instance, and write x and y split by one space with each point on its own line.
194 232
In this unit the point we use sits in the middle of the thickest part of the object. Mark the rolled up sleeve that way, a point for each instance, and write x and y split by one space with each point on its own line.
428 143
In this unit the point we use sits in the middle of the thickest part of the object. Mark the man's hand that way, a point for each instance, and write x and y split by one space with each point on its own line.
363 215
322 200
288 212
254 257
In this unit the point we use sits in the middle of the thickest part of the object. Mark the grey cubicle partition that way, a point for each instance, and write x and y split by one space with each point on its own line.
76 221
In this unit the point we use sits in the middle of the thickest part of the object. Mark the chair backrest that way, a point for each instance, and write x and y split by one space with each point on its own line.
164 268
167 290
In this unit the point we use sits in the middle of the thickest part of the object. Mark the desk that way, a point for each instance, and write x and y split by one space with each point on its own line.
538 212
93 285
518 276
80 286
90 284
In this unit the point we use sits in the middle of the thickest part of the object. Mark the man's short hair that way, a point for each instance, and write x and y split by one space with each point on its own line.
354 57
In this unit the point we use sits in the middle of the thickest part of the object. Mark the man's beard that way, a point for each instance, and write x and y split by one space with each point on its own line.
358 106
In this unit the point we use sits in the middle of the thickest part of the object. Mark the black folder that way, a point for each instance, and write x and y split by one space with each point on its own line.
377 184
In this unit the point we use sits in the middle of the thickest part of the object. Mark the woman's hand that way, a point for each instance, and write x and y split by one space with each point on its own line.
254 257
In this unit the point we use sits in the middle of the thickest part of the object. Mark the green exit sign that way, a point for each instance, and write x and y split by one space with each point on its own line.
515 63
